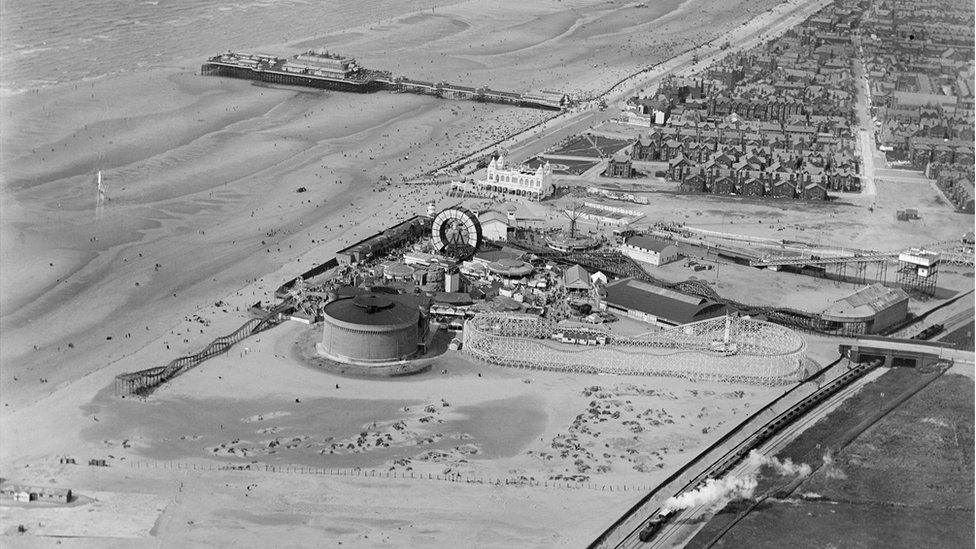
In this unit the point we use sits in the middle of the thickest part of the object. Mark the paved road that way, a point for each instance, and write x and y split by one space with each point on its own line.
865 133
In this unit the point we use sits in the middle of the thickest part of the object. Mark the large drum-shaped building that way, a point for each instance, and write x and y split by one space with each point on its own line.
373 328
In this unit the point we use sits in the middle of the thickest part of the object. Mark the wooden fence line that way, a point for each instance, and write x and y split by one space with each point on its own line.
394 474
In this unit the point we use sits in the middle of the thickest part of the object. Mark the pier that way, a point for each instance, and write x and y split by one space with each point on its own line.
334 72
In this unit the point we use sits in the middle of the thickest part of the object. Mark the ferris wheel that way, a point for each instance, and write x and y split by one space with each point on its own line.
456 233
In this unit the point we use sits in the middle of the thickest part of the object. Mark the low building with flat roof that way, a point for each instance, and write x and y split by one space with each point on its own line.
869 310
656 305
22 493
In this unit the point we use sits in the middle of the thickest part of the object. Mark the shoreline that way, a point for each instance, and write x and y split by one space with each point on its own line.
189 60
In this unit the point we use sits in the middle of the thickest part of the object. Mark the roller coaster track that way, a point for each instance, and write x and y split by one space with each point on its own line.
624 531
144 382
730 349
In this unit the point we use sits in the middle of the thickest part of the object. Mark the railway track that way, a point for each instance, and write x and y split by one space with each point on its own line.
953 322
780 425
677 530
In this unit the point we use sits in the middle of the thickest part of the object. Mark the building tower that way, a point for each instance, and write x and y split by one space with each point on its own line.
918 270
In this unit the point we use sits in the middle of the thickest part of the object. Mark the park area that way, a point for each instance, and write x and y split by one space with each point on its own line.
594 146
562 166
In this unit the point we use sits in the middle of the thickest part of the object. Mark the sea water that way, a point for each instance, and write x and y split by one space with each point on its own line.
49 42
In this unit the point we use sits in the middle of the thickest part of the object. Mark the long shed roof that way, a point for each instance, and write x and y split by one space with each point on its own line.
675 307
866 302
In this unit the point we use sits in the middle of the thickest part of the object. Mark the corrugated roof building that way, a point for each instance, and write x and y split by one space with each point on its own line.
657 305
869 310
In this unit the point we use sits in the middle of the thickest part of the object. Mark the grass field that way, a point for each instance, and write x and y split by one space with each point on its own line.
593 146
906 481
562 166
806 524
921 454
961 337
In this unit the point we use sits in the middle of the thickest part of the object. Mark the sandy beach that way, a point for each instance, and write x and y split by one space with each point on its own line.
265 408
201 172
202 220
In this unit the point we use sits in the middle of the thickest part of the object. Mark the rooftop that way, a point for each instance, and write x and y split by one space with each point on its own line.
414 223
375 309
648 243
866 302
493 215
487 256
511 267
576 278
661 302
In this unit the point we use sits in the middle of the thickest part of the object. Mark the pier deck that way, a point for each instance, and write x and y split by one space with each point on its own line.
276 70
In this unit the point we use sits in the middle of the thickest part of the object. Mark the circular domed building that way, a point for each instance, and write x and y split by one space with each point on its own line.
398 271
566 242
373 327
511 268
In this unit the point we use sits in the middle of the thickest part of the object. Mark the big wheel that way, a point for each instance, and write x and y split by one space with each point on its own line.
456 233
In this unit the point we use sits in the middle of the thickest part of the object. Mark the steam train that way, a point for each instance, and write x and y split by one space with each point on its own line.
930 332
659 520
654 525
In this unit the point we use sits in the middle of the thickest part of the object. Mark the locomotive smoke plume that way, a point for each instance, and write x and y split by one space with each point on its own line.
784 468
716 492
713 493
